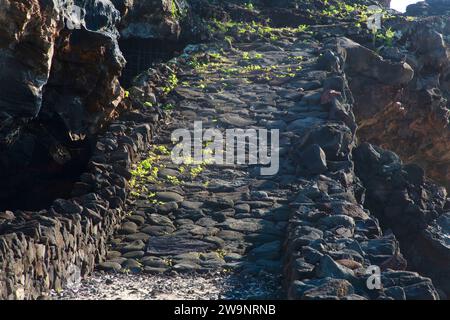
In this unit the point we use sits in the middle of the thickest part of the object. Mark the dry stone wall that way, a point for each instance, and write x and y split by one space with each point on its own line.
51 248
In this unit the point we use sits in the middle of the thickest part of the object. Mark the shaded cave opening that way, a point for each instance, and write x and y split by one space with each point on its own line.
42 165
142 54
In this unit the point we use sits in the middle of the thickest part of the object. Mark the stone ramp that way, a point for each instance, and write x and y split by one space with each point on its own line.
302 233
218 219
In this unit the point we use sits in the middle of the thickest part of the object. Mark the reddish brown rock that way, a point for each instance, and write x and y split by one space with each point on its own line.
410 115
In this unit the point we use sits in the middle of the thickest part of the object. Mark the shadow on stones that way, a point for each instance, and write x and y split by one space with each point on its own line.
39 168
141 54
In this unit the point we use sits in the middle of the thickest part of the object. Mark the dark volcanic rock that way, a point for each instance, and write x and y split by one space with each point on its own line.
152 19
361 62
313 160
330 216
432 248
41 44
173 245
58 86
411 205
428 8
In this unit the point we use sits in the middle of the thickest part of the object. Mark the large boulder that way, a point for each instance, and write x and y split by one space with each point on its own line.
92 59
27 41
363 62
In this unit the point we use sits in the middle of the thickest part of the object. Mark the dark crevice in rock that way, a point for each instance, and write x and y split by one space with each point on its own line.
411 207
47 171
59 89
141 54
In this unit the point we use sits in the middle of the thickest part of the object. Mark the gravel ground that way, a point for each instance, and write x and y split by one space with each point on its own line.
213 286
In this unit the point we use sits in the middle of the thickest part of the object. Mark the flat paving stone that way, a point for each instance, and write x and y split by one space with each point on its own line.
160 220
169 196
137 236
110 266
157 230
250 225
136 219
173 245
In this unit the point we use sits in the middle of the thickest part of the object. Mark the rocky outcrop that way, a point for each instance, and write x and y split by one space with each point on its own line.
401 105
333 241
410 205
410 114
41 42
362 65
152 19
428 8
23 74
59 86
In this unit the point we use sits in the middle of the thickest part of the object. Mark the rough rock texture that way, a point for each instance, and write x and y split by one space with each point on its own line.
159 19
413 207
40 42
408 115
332 239
336 208
59 87
24 73
310 214
51 248
428 8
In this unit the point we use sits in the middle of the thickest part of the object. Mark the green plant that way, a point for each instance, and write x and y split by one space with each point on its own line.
195 171
174 9
302 28
173 180
172 82
161 150
387 37
168 107
274 37
215 56
229 40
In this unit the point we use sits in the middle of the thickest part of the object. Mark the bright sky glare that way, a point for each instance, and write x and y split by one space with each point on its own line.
400 5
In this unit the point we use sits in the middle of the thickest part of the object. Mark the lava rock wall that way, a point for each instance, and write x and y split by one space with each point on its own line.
60 64
52 248
333 239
